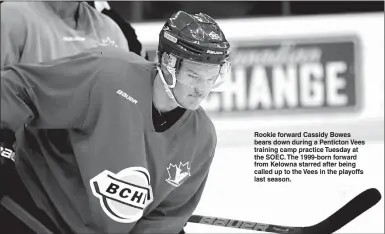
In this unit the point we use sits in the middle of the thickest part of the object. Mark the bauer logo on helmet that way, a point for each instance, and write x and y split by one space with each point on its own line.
214 52
170 37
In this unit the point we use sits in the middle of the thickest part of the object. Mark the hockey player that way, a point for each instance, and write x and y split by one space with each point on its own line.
129 32
38 31
121 144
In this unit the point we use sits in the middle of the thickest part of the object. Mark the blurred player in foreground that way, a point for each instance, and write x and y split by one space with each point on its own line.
129 32
139 145
40 31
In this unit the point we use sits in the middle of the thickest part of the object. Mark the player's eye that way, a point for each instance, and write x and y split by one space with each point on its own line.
194 77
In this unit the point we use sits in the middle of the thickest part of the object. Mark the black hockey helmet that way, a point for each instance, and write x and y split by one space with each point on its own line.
194 37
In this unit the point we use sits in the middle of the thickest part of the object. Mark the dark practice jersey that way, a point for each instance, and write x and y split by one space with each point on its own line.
114 173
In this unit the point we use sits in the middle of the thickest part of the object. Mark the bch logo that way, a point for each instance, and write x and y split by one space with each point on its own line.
123 196
178 174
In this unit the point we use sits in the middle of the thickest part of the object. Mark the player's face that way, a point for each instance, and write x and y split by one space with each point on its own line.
194 83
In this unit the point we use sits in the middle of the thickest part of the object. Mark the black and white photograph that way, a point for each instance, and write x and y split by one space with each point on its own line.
184 117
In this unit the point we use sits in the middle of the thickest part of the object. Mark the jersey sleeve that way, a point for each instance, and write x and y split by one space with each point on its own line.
111 153
13 34
48 95
172 214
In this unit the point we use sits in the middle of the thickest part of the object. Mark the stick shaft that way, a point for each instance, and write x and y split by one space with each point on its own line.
23 215
246 225
355 207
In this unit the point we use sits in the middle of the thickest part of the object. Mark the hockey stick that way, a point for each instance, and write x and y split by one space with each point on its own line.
23 215
343 216
340 218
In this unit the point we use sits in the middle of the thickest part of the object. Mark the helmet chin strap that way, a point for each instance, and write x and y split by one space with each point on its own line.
167 87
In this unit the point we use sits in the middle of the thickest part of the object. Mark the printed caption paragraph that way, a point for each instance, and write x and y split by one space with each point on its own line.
281 156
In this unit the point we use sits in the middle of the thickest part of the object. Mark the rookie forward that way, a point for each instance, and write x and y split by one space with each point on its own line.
114 143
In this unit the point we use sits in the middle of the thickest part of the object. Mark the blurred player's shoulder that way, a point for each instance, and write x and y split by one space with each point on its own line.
93 13
23 15
100 20
16 6
16 11
28 9
34 11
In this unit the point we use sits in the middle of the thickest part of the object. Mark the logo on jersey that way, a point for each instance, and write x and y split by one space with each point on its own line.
125 195
126 96
108 42
7 153
178 174
77 38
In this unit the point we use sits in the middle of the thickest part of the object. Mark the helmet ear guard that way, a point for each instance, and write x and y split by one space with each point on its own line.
170 62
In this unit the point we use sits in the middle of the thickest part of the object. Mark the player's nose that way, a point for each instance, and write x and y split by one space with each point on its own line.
198 93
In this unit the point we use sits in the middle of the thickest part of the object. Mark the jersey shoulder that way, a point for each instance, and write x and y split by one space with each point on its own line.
15 13
124 70
32 12
102 21
15 7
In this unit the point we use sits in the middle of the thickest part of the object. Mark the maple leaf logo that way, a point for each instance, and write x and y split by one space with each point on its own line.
108 42
184 168
172 171
178 174
214 36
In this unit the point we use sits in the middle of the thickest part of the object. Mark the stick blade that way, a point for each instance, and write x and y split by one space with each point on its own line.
347 213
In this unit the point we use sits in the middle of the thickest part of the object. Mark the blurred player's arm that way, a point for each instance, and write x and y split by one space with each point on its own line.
172 214
47 95
13 34
77 93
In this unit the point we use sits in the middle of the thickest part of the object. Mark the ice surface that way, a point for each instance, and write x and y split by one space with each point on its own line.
232 193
